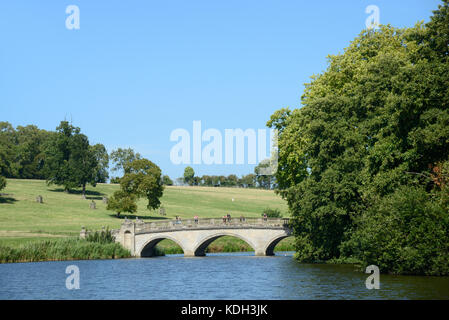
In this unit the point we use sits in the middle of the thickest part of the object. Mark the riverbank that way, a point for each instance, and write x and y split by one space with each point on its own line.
62 250
66 249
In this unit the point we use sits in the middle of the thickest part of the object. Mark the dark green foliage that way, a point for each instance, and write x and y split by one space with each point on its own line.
101 174
115 180
372 127
22 151
406 232
122 201
189 175
64 157
272 213
166 181
143 179
69 160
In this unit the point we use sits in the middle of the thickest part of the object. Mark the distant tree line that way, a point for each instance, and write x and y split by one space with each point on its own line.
65 157
252 180
62 157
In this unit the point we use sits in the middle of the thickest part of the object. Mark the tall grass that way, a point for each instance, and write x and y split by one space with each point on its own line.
103 236
62 249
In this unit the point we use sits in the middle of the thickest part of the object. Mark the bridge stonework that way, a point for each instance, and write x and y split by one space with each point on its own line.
195 236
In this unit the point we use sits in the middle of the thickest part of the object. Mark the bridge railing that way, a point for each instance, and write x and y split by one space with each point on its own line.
210 223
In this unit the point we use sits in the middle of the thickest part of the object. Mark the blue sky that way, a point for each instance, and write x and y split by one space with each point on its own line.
137 70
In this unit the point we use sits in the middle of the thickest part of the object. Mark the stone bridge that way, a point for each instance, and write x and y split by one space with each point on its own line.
194 236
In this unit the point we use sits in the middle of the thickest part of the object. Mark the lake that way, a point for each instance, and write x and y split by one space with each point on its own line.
216 276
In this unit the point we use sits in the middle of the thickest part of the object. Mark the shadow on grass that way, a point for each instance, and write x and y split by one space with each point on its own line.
8 200
133 217
90 195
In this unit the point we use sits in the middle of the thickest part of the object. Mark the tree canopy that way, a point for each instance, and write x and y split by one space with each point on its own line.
71 162
370 125
142 179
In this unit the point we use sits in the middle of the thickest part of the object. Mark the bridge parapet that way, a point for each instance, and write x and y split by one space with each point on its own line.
206 223
195 235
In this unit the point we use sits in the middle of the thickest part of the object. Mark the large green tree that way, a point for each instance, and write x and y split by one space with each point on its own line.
8 146
189 174
167 181
30 150
373 122
101 155
143 179
122 201
69 160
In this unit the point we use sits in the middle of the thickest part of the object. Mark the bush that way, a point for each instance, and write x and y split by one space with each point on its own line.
272 213
404 233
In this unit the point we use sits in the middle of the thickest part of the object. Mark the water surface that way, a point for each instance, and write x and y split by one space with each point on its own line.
216 276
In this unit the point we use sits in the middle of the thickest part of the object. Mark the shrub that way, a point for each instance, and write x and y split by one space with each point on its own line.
404 233
272 213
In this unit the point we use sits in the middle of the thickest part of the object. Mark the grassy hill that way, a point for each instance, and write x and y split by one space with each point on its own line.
62 214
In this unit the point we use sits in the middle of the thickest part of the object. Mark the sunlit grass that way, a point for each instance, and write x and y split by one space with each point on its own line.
62 214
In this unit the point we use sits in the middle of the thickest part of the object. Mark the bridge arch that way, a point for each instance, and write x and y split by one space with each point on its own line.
148 247
200 249
269 250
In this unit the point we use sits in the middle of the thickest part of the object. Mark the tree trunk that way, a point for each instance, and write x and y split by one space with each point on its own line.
84 191
118 214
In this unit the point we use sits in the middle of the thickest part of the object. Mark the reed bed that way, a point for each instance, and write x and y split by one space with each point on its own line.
62 249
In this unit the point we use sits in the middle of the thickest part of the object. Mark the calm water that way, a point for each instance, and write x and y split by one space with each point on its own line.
217 276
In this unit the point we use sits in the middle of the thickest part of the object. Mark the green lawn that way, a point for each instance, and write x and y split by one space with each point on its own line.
22 219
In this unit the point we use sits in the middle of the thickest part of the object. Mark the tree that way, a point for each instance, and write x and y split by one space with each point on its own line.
379 112
207 180
232 180
69 160
122 158
29 159
263 180
143 179
102 158
8 143
167 181
189 173
248 181
414 241
122 201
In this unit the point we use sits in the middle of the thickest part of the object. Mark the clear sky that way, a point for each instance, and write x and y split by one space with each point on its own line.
136 70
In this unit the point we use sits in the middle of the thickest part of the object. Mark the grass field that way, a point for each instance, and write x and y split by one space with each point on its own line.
22 219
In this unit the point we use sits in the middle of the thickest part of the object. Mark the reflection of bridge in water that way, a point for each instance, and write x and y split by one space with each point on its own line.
194 236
